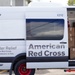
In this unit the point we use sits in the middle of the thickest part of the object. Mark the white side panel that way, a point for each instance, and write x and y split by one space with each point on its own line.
47 13
11 48
12 23
12 33
5 66
42 14
45 51
47 64
15 13
12 29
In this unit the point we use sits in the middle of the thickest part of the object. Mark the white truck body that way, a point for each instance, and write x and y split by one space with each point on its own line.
41 33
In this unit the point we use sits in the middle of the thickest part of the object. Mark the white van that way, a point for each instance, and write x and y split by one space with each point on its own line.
33 37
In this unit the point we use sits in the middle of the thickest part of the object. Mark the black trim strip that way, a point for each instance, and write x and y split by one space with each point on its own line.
6 59
11 39
63 42
71 63
47 59
70 9
37 59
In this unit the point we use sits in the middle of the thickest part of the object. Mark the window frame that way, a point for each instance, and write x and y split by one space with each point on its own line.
44 19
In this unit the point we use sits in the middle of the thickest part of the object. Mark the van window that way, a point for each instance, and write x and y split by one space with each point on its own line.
45 29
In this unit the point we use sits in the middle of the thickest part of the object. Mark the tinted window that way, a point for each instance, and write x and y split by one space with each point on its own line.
45 29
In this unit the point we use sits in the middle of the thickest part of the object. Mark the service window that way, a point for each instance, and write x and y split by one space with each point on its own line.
45 29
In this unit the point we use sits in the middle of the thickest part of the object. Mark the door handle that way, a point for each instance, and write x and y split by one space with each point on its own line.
63 42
